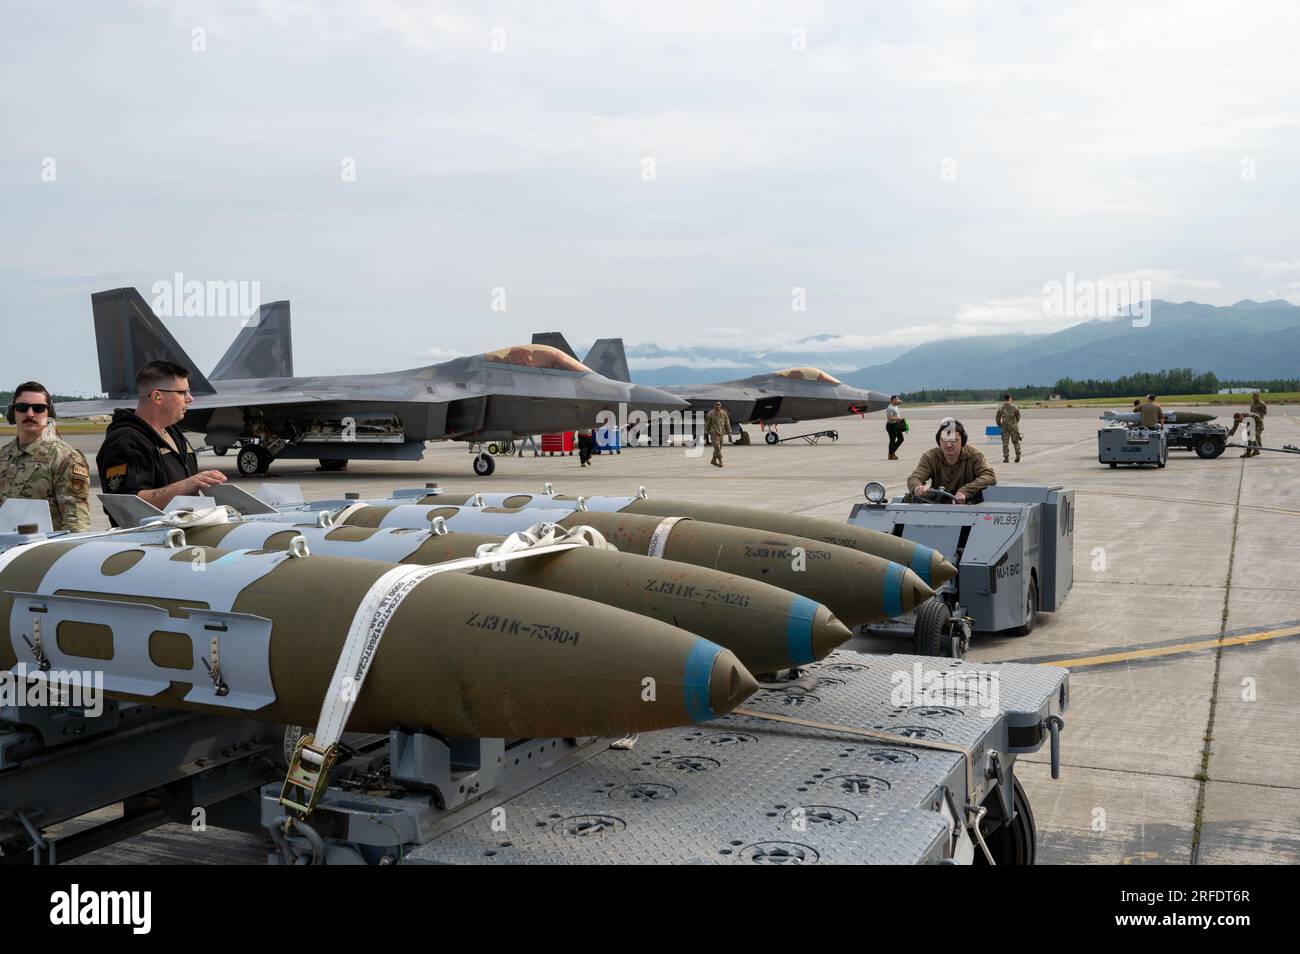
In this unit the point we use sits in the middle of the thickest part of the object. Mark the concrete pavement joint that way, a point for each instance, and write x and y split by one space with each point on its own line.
1204 775
1182 500
1170 775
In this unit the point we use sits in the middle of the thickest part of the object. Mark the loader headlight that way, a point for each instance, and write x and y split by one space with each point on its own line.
874 492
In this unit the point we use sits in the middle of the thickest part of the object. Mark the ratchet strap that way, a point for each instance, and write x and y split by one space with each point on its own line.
315 753
659 539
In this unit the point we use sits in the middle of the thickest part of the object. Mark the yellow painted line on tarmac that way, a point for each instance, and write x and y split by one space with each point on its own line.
1224 641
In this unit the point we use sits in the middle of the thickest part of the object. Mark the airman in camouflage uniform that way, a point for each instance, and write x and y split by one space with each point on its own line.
1253 445
717 424
1257 410
40 465
1008 421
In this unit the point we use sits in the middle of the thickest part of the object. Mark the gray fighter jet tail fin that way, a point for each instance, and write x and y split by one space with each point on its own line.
555 340
607 357
262 349
128 336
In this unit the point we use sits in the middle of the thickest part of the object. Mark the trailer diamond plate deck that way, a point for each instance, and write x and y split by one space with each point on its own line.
746 790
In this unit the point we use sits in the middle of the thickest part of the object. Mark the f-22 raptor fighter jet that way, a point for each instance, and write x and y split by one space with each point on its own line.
778 397
252 402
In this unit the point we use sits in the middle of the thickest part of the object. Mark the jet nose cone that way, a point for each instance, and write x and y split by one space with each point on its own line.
872 401
641 397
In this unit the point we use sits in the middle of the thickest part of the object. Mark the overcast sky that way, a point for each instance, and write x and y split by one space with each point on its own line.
669 172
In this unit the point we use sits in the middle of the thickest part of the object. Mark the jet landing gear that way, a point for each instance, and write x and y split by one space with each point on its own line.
253 460
484 465
742 439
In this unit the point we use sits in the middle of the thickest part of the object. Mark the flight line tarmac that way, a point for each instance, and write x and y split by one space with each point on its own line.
1181 742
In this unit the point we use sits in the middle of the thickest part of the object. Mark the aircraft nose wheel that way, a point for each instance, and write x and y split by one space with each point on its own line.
252 460
484 465
771 437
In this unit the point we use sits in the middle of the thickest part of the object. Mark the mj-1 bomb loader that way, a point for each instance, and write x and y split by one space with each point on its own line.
1014 554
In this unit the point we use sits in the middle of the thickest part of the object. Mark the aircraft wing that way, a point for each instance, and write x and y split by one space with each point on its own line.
212 402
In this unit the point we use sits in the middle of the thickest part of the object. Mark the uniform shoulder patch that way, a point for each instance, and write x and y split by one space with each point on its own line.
114 477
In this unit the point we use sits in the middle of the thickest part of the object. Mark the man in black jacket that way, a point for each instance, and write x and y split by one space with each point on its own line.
144 452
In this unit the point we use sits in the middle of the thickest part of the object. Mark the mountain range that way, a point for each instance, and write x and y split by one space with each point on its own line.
1249 339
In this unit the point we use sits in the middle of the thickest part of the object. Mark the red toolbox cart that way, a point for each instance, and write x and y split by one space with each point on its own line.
558 443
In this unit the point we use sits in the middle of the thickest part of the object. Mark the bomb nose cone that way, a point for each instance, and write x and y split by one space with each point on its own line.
904 590
730 684
811 631
941 571
828 633
915 591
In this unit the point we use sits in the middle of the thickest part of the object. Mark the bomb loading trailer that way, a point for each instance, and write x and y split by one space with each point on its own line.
860 759
1206 440
844 776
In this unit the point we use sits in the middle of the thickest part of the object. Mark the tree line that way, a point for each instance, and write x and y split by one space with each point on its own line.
7 396
1166 382
1169 381
973 395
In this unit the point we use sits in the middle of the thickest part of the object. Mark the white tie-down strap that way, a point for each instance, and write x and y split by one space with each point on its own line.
341 517
374 613
545 535
7 557
659 539
191 519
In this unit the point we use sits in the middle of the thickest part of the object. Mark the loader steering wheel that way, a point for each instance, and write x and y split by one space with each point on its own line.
938 492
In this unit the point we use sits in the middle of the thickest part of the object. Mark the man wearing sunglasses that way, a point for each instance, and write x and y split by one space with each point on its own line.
40 465
144 452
